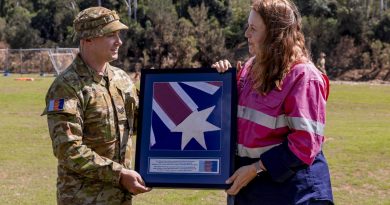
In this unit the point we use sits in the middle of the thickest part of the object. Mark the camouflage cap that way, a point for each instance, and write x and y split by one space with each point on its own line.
96 22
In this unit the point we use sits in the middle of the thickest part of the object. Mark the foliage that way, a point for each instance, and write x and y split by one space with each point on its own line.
344 54
317 8
18 32
344 30
170 39
220 9
210 37
192 33
319 33
382 30
350 23
234 32
54 25
381 54
2 28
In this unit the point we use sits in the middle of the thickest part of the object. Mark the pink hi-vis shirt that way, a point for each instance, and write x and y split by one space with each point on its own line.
295 113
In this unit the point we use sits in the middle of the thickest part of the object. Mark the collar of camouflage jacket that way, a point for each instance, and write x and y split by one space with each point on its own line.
84 70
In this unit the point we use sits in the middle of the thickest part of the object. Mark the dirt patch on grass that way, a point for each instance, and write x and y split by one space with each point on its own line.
3 175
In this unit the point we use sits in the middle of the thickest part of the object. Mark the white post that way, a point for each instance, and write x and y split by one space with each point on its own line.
21 60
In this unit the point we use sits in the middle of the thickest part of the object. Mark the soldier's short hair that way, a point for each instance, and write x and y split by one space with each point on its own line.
96 22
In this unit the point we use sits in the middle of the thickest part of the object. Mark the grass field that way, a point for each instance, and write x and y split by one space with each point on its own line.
357 148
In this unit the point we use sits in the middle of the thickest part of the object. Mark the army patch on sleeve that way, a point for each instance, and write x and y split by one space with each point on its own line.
56 105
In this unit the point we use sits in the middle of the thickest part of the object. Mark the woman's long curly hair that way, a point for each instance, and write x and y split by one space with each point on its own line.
283 46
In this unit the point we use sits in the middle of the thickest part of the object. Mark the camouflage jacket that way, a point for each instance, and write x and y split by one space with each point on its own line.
90 119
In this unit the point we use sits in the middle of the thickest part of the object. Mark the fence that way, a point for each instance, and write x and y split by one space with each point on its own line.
37 60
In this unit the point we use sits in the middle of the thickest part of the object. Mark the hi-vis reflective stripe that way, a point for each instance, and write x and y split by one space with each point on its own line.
296 123
300 123
252 152
261 118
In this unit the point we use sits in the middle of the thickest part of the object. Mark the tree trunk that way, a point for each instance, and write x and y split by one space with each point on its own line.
368 6
135 9
129 10
99 2
381 8
143 7
181 8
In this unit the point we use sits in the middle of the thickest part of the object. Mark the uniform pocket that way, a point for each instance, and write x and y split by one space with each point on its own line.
97 127
97 107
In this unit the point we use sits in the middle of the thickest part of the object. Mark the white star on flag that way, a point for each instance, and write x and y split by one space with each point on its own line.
194 126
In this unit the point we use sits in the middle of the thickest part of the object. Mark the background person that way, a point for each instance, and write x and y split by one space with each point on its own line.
321 62
90 109
281 114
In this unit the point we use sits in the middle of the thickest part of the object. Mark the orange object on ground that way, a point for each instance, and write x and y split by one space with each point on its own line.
25 79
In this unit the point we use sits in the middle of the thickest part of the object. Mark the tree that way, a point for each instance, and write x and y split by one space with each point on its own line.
3 24
235 30
19 34
317 8
110 4
220 9
351 22
163 20
56 23
168 41
319 34
185 48
379 61
209 36
343 56
7 5
382 29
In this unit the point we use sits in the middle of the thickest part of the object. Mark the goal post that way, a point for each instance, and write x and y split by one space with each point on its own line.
36 60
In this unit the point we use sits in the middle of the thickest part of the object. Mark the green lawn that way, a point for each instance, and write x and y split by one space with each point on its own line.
357 148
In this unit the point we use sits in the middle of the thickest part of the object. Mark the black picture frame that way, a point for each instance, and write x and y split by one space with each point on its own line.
175 107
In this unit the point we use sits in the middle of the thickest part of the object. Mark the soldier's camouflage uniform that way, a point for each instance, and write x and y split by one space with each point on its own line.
90 119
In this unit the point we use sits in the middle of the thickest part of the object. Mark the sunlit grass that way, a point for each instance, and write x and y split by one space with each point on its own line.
357 148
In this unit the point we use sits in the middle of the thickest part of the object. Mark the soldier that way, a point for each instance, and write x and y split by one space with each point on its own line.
90 110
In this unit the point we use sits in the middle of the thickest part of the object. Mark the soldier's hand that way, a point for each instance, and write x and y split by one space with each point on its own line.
133 182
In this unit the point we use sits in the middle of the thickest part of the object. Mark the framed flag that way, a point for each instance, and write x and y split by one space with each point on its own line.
186 128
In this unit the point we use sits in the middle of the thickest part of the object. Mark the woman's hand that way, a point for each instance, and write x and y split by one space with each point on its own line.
224 65
241 178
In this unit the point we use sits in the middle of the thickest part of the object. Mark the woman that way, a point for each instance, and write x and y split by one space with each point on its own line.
281 113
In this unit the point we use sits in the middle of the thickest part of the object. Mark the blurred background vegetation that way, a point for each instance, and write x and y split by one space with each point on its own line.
354 34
